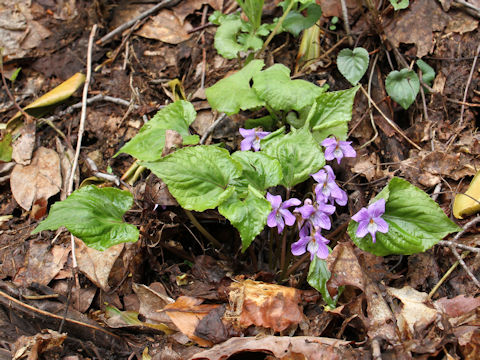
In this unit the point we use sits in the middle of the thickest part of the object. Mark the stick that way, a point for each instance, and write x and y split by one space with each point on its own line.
211 128
119 29
346 23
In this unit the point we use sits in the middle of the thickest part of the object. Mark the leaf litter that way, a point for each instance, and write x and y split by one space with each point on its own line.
171 292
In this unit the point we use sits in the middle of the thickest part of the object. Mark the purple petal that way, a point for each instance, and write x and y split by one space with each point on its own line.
246 144
322 251
247 132
377 208
306 210
382 225
288 217
272 219
320 176
256 144
329 153
262 134
280 224
330 173
299 247
362 215
362 229
326 208
275 200
290 202
321 220
305 230
348 151
328 142
373 236
319 194
342 199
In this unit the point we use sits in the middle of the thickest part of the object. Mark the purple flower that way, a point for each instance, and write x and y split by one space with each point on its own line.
311 241
327 189
280 214
337 149
369 220
251 139
316 214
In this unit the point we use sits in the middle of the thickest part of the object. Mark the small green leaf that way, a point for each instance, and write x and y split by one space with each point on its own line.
260 170
331 113
353 64
403 86
249 216
148 144
198 177
280 92
14 75
253 10
265 122
225 41
318 276
299 155
295 22
6 148
399 4
428 74
93 215
233 93
415 222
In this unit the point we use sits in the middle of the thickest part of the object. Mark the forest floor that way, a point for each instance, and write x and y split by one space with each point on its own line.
112 306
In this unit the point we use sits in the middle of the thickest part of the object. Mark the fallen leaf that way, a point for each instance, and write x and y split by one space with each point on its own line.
97 265
39 180
32 347
460 22
400 29
166 27
129 319
185 8
43 263
367 166
261 304
186 313
282 347
151 302
344 267
23 145
457 306
212 328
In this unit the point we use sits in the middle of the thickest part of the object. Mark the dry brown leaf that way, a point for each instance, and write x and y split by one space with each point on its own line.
414 315
461 22
367 166
282 347
344 267
400 29
334 7
43 263
151 302
185 8
166 27
32 347
22 147
186 313
203 121
457 306
97 265
39 180
261 304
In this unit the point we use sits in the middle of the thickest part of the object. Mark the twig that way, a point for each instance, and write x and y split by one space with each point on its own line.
445 276
119 29
204 231
461 246
390 122
204 50
422 93
467 7
346 23
211 128
372 120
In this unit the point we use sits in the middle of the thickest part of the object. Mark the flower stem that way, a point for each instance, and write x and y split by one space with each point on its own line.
284 241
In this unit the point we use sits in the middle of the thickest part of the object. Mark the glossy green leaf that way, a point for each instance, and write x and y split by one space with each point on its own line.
353 64
6 148
265 122
249 216
318 276
225 41
93 215
295 22
415 221
428 74
260 170
400 4
253 10
14 75
299 155
281 93
331 113
198 177
148 144
233 93
403 86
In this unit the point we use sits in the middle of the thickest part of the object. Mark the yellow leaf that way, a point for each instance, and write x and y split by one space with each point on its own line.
468 203
55 96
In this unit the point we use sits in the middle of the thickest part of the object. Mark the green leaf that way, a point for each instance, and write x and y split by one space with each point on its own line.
403 86
233 93
331 113
265 122
225 41
399 4
428 74
353 64
298 154
148 144
93 215
280 92
14 75
415 221
198 177
249 216
295 22
318 276
253 10
6 148
261 170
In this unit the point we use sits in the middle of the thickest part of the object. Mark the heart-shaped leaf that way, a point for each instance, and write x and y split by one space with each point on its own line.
93 215
295 22
318 276
233 93
415 222
353 64
198 177
399 4
260 170
249 216
403 86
